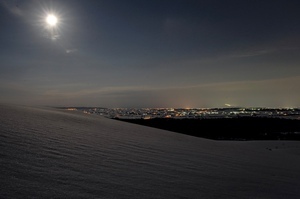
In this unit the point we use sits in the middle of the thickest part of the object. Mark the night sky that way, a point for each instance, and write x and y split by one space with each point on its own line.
151 53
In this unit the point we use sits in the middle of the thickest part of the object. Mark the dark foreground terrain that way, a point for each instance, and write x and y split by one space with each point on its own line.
244 128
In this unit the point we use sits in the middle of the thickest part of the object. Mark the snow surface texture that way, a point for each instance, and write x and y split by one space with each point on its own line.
49 153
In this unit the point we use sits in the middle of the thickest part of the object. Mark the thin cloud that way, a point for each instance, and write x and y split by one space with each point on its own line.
69 51
225 86
261 52
238 93
254 53
12 7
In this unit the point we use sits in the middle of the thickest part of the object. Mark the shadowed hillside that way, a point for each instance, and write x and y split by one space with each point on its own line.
244 128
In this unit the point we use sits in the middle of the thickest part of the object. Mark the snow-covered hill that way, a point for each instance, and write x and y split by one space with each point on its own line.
51 153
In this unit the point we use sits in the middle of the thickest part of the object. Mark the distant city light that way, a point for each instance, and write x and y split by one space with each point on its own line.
192 113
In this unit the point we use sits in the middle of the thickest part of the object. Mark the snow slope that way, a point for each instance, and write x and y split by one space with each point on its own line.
51 153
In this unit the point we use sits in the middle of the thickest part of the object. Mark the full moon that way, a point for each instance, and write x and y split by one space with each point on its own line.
51 20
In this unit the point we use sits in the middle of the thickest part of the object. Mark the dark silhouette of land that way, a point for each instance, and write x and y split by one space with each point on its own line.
243 128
